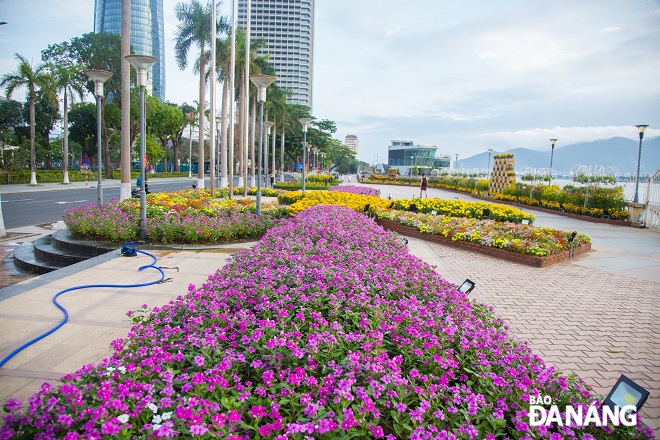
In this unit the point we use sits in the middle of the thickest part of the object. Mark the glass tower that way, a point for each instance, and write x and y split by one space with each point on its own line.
147 35
287 26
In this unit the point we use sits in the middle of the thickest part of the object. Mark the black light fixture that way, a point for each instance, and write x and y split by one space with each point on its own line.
389 196
625 392
485 213
467 286
404 240
572 237
525 221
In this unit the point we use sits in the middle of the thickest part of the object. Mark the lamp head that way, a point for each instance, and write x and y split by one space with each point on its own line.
99 77
490 150
262 82
553 141
268 125
467 286
641 129
304 122
141 63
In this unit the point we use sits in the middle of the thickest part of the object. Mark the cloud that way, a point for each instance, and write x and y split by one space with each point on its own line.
538 138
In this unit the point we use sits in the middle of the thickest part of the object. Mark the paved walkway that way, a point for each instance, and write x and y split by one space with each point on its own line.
597 315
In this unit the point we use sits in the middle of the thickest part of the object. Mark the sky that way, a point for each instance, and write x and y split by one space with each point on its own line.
464 76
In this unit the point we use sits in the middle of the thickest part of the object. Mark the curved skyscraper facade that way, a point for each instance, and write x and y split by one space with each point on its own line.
147 34
287 26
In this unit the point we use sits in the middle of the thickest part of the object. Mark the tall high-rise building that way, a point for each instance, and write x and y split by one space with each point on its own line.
287 26
147 34
352 142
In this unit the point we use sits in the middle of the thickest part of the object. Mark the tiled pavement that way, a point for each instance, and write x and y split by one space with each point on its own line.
597 315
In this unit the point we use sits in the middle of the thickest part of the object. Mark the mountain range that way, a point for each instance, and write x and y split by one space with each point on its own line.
614 152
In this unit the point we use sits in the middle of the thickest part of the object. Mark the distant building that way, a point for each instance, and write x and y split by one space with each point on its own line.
404 155
287 26
352 142
147 35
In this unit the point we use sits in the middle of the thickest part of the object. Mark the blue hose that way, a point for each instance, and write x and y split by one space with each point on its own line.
88 286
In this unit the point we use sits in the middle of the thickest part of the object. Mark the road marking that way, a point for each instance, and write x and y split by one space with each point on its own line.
13 201
75 201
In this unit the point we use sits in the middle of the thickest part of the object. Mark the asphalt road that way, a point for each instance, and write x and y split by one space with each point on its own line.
43 207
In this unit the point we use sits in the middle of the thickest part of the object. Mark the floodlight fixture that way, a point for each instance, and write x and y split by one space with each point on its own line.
525 221
625 392
572 237
404 240
467 286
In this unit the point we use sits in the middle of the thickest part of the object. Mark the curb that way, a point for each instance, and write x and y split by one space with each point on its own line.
514 257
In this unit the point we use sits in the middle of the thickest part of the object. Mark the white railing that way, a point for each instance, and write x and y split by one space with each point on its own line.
652 210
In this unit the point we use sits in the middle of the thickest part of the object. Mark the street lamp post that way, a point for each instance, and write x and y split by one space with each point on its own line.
262 82
99 77
456 163
305 122
552 153
641 129
191 117
269 125
490 151
141 63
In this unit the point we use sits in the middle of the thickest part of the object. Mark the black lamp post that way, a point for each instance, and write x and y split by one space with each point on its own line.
99 77
641 129
552 153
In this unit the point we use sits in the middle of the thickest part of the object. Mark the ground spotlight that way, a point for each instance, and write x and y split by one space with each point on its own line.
626 392
525 221
404 240
467 286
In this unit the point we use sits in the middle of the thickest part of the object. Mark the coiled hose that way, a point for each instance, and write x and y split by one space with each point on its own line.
127 251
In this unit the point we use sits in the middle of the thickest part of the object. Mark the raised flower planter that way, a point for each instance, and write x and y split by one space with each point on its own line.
529 260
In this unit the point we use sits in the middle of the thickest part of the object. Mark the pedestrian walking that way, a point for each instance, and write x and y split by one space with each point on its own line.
423 187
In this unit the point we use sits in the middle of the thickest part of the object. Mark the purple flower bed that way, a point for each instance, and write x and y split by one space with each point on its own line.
327 328
364 190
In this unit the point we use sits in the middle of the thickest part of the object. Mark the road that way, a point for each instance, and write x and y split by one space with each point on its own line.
42 207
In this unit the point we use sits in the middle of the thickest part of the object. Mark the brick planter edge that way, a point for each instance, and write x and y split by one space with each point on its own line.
529 260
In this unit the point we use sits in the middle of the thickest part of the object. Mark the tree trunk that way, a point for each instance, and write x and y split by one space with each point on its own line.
223 135
241 127
65 142
33 156
200 146
175 147
125 137
253 137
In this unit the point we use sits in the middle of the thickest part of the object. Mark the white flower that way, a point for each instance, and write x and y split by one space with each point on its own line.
123 418
167 415
156 419
122 369
156 427
152 407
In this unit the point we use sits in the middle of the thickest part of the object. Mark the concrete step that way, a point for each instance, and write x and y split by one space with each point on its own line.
63 241
25 259
45 250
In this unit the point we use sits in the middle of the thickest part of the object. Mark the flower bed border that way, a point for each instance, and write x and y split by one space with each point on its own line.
529 260
585 218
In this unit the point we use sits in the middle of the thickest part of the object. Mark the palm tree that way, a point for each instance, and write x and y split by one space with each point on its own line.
33 78
194 28
70 81
281 115
256 66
